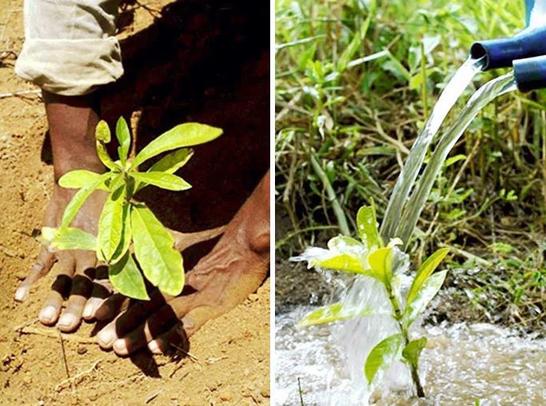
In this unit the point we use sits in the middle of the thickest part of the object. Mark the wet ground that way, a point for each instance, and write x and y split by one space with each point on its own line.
462 364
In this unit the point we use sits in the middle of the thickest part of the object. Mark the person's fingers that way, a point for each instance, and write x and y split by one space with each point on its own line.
82 286
185 240
155 325
177 336
60 288
173 340
101 293
107 309
43 265
128 320
194 319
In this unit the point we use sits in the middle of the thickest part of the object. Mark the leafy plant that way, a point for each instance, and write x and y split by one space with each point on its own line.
371 258
130 238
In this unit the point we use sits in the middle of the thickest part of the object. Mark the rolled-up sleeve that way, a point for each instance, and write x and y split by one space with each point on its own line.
70 47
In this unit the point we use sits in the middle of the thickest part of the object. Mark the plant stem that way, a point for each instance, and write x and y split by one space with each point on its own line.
417 381
398 316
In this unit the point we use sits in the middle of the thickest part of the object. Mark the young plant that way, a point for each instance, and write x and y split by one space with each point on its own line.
371 258
130 238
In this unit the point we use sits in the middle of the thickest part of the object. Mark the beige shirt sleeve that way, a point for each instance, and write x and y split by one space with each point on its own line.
70 47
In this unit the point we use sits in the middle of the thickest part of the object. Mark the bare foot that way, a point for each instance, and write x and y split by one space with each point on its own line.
234 269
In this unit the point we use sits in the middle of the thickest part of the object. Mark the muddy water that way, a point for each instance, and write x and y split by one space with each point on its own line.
461 365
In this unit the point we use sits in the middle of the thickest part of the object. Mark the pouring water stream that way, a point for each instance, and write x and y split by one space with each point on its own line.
451 93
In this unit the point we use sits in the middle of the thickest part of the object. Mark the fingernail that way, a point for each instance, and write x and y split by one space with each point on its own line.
88 310
67 320
106 337
187 323
48 314
120 347
21 294
153 346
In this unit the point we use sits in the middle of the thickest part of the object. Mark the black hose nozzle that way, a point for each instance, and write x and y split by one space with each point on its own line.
499 53
530 73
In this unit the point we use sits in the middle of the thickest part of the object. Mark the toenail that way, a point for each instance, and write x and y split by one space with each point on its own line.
67 320
47 314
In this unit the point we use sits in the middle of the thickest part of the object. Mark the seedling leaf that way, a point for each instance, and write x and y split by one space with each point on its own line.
162 180
103 136
127 279
153 244
124 138
366 222
126 236
102 132
344 244
80 178
413 350
382 355
332 313
79 199
111 221
70 238
425 271
341 262
172 162
425 294
183 135
380 262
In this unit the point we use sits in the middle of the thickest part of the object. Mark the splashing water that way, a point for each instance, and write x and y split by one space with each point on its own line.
484 95
462 364
449 96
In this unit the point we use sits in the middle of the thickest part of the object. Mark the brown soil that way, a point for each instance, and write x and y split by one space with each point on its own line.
231 364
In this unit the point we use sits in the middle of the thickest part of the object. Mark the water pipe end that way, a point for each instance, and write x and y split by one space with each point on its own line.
500 53
530 73
497 53
478 51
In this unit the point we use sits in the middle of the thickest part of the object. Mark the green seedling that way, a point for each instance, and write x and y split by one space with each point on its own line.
371 258
131 241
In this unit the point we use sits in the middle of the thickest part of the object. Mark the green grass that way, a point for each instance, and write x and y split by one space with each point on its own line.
355 84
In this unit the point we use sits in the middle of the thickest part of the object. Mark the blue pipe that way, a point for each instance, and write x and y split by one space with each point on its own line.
499 53
530 73
531 42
